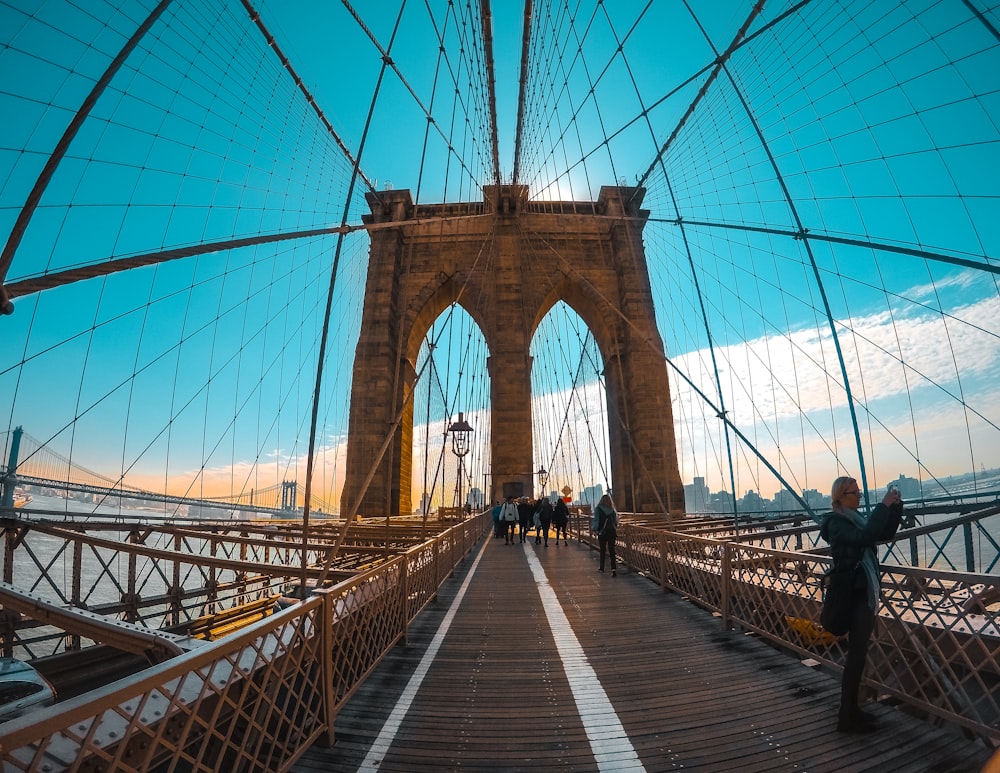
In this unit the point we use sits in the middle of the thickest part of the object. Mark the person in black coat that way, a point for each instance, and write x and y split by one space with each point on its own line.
525 511
852 537
560 519
544 512
606 525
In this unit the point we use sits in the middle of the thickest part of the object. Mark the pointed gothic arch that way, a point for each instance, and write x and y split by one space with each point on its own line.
507 262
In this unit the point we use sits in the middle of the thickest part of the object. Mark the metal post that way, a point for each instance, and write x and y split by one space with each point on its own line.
970 557
727 584
10 478
76 589
326 666
404 582
132 600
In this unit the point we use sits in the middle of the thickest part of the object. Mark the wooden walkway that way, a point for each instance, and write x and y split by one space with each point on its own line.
531 660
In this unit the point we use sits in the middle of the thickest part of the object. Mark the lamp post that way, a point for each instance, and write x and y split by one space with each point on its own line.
460 447
543 478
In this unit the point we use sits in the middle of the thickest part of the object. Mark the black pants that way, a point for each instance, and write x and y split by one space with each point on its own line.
607 542
858 636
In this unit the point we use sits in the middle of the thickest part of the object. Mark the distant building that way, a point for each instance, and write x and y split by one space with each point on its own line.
817 501
785 502
721 502
591 495
696 496
909 488
751 503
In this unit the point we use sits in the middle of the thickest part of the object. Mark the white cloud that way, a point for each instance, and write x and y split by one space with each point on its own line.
912 372
783 376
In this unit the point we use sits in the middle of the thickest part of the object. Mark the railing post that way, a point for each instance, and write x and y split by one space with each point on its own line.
241 577
437 565
212 596
326 667
662 539
131 600
405 585
76 591
10 542
176 592
7 632
970 555
727 584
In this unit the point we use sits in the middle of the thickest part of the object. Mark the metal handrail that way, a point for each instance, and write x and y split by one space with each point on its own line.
239 685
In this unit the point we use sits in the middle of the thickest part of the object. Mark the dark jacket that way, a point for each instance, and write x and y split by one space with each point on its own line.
848 542
544 511
560 514
607 521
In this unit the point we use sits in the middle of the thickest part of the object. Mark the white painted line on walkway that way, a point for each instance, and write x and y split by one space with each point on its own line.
609 742
385 738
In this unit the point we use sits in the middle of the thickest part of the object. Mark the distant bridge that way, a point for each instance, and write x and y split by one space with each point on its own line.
42 465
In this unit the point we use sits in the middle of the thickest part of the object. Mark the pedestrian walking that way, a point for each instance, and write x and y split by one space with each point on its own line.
525 511
605 523
560 519
508 520
496 519
544 512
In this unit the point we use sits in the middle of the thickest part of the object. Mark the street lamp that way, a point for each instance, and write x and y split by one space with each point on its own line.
460 431
543 478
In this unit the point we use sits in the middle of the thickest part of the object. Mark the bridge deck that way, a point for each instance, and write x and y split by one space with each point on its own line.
532 660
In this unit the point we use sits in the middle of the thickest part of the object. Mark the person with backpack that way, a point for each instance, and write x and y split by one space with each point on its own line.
605 523
508 520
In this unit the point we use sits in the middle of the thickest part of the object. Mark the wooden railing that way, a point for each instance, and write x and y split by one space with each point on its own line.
169 575
936 648
256 699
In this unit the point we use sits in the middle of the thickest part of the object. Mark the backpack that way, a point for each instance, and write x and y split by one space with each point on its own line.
605 521
509 512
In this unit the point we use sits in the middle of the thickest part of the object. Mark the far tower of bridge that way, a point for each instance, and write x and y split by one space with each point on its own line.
507 261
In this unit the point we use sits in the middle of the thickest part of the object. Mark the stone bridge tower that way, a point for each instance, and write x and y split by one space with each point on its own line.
507 261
